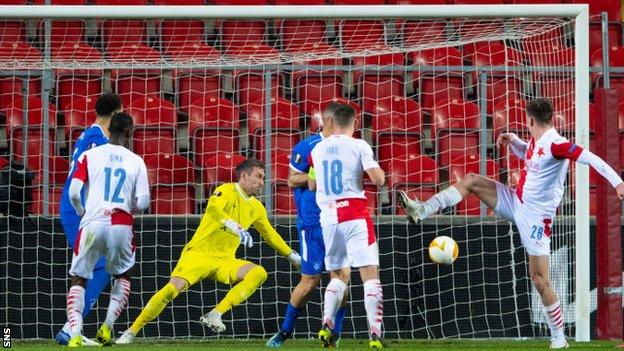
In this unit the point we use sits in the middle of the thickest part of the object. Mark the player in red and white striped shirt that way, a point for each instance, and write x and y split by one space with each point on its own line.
116 186
533 204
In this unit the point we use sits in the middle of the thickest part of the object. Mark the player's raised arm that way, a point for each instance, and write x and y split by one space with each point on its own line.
576 153
272 237
75 187
142 196
518 146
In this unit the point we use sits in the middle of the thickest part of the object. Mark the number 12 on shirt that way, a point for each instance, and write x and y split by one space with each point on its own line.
332 174
119 173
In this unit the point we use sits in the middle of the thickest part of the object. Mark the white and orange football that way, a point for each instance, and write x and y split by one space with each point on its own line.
443 250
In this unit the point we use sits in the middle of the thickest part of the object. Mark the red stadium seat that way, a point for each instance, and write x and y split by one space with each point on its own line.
509 116
621 124
12 32
79 114
455 126
60 2
314 110
178 2
172 178
133 84
612 7
11 87
119 33
280 166
313 86
284 121
15 129
3 162
373 85
536 2
463 165
72 84
396 128
192 86
154 126
371 192
175 34
308 36
53 204
235 34
213 128
58 169
358 35
300 2
284 200
421 32
500 85
64 32
555 86
240 2
514 170
435 86
119 2
250 86
416 174
220 169
615 29
616 59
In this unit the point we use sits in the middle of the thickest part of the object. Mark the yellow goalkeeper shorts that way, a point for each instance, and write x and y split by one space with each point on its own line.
196 266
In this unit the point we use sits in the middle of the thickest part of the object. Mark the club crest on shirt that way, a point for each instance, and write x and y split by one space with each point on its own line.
572 148
298 158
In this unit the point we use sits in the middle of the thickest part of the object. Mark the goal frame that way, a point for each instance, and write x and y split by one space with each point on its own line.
579 12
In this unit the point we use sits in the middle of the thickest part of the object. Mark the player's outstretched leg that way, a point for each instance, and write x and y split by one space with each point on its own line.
118 300
253 277
154 307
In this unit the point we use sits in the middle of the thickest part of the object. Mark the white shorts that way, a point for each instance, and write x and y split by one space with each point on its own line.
98 239
535 230
350 244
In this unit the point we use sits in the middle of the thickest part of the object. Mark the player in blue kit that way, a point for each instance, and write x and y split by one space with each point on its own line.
310 234
105 107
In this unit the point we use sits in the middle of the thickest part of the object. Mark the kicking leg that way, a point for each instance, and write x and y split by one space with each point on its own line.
538 269
481 186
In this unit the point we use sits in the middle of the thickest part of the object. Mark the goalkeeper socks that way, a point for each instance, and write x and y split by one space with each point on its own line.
241 291
555 319
373 302
75 304
288 325
118 300
334 293
446 198
342 311
154 307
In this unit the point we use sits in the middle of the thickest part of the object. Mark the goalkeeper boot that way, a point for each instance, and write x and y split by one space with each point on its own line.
559 342
326 337
278 339
105 335
375 342
126 338
213 321
414 208
75 341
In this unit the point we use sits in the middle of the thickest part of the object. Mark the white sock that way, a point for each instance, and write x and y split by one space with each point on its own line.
118 300
333 297
555 319
75 305
67 328
373 302
446 198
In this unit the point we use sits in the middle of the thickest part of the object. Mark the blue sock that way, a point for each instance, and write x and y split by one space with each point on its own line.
288 325
100 279
342 311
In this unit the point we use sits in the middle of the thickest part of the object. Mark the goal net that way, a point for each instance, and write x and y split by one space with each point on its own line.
431 97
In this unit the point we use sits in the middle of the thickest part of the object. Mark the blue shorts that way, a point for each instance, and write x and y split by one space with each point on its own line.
312 250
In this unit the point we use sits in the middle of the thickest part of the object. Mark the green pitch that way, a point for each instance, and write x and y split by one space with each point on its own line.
345 344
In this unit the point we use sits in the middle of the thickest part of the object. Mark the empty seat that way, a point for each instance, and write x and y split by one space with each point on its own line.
396 128
72 84
154 126
172 180
12 32
509 116
191 86
58 169
455 126
119 2
314 86
17 54
79 114
220 169
240 2
462 165
250 86
359 35
373 85
415 174
64 32
422 32
284 124
299 36
437 86
284 200
616 59
119 33
133 84
213 128
53 204
556 86
237 34
15 127
621 125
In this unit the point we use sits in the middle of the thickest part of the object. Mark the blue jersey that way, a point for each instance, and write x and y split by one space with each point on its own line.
90 138
308 212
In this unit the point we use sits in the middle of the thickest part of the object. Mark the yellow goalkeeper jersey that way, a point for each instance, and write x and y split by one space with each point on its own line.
229 201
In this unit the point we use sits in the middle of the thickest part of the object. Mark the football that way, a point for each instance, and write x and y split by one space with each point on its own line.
443 250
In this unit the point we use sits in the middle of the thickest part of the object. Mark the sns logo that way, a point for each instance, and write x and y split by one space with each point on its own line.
6 339
342 204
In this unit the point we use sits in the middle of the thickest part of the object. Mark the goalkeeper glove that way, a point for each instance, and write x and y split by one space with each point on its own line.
243 235
294 259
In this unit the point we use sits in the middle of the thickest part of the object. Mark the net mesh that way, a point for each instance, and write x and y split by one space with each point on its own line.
431 98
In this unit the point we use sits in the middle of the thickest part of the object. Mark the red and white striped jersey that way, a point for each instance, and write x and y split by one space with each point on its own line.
114 177
545 168
339 163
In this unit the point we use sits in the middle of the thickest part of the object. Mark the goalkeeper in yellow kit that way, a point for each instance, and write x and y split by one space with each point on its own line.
210 254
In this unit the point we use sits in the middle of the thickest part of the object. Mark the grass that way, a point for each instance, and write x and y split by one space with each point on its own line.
345 344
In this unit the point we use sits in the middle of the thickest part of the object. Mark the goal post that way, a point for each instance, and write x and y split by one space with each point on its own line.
260 100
